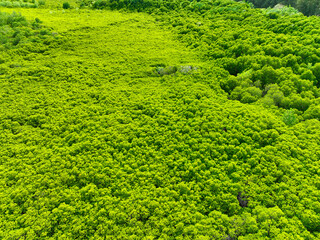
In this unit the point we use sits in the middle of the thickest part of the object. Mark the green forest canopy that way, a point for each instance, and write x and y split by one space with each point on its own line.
188 120
307 7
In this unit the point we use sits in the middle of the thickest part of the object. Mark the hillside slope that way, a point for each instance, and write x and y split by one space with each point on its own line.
111 128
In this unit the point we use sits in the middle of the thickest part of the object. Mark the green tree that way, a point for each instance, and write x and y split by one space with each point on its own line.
66 5
289 117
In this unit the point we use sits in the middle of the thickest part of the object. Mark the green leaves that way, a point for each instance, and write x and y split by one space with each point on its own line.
289 117
95 145
16 30
307 7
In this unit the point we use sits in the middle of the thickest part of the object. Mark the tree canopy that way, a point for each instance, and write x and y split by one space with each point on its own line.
144 119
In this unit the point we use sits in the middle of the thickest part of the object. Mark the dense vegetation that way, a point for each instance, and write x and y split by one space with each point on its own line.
199 121
22 4
269 57
307 7
16 31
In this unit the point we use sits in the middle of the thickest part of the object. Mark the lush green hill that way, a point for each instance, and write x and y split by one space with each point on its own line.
184 121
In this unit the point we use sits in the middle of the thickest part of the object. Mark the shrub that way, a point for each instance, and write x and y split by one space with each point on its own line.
41 2
312 112
100 4
66 5
15 29
289 117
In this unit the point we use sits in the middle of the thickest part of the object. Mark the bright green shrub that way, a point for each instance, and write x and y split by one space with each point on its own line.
273 92
313 112
316 73
229 83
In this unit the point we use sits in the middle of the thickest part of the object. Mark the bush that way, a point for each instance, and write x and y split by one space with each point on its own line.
66 5
15 29
17 4
289 117
313 112
42 3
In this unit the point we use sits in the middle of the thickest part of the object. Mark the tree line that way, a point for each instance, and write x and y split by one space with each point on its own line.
307 7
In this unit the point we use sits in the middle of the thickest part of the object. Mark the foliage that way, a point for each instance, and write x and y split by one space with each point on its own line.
66 5
289 117
16 30
277 47
21 4
307 7
283 11
112 128
269 57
